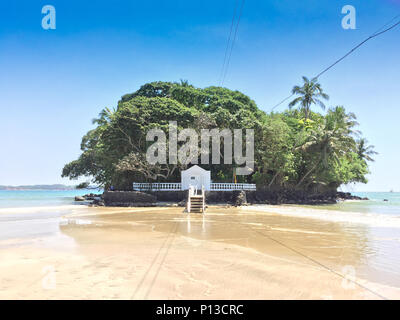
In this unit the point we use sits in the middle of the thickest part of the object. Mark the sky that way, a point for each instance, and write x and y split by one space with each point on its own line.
54 82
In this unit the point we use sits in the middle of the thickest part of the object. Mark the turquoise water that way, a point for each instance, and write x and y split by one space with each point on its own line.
44 198
375 204
40 198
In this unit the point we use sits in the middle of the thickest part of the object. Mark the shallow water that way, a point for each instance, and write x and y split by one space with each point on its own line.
375 204
371 253
363 236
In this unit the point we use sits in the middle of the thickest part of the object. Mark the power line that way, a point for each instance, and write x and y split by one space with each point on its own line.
322 265
227 44
375 34
233 43
277 105
356 47
383 27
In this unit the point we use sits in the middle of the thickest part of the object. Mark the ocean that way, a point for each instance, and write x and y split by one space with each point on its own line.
381 210
40 198
375 204
43 198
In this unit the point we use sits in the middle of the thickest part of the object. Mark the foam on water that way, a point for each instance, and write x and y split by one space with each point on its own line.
373 219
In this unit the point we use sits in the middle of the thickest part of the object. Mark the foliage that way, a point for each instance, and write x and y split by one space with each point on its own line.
83 185
293 149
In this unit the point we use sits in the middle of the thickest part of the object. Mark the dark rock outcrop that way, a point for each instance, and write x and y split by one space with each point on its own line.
237 198
298 197
241 199
170 196
348 196
128 198
92 197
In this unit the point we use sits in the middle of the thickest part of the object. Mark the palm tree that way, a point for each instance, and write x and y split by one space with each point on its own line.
332 140
364 150
337 117
310 93
184 83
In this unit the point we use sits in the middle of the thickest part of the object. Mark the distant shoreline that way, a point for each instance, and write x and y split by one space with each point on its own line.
42 187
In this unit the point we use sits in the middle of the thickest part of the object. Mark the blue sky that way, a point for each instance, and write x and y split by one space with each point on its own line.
53 82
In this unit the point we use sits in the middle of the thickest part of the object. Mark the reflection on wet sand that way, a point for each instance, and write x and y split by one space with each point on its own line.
330 243
228 253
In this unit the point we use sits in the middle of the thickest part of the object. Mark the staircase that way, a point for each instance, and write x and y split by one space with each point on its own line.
196 203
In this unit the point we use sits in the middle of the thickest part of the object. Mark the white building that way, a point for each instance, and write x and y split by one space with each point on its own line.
198 178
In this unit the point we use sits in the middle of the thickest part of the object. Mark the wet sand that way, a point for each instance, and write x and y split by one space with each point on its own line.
163 253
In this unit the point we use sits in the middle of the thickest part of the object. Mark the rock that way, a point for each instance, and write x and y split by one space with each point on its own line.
79 198
92 197
241 199
182 203
98 202
169 196
127 198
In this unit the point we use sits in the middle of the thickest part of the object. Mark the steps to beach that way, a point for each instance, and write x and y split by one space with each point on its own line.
196 203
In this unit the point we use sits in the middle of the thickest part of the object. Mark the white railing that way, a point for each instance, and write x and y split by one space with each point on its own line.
232 186
203 193
166 186
173 186
191 193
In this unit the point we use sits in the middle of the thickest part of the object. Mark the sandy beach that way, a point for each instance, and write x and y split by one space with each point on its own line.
77 252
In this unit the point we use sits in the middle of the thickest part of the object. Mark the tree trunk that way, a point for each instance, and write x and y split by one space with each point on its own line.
273 179
306 111
308 173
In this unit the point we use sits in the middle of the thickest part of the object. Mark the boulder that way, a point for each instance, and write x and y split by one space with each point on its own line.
241 199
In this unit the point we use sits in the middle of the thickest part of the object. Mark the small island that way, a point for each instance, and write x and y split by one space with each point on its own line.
300 156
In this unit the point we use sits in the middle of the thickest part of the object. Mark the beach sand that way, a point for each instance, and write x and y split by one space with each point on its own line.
163 253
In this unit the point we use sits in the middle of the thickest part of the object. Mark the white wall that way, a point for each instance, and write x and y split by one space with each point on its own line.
203 177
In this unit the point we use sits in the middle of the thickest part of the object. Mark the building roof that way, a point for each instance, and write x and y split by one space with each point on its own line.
195 168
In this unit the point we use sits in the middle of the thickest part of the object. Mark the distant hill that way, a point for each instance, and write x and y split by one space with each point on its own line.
39 187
